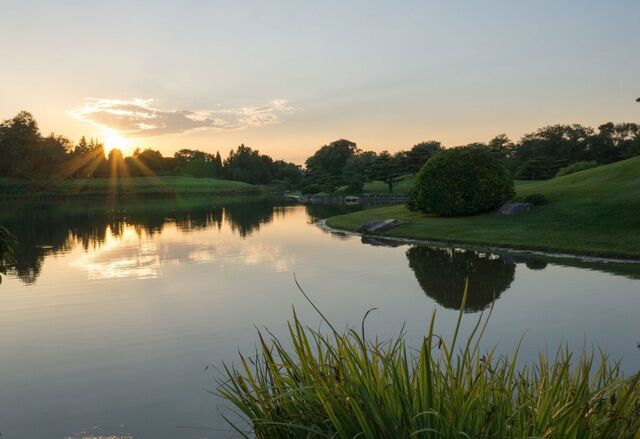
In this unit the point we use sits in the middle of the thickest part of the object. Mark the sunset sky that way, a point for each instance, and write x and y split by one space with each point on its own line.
286 77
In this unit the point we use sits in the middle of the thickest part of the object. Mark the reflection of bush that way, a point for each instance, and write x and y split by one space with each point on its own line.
442 274
536 264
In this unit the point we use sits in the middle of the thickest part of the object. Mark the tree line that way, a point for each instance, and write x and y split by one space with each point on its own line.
26 153
536 156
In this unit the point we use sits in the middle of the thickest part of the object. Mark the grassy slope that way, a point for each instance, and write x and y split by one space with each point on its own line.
594 212
379 187
136 186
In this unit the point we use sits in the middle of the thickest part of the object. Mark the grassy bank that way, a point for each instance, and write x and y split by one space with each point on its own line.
163 187
342 385
592 212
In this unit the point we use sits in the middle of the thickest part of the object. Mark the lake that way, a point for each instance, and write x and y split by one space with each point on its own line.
112 314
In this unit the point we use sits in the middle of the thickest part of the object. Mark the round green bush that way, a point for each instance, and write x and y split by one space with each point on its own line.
461 181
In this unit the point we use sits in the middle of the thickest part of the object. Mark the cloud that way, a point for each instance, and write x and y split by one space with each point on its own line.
140 118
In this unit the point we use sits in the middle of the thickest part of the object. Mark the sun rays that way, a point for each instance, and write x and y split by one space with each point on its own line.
114 140
105 159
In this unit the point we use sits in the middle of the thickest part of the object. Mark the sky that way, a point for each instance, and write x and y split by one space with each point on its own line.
287 77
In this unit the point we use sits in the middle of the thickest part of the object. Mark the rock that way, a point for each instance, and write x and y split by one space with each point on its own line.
380 225
514 208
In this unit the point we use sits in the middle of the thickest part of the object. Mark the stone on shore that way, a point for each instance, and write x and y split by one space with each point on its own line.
514 208
378 226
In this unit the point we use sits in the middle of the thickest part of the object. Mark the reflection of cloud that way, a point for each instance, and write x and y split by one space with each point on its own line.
139 118
140 255
267 255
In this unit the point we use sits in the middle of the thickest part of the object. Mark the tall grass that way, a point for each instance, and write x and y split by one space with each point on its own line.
342 385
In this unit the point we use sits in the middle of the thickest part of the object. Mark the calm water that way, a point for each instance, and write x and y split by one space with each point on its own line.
112 313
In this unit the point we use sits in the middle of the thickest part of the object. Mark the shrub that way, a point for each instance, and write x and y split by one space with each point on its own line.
311 189
576 167
344 385
535 199
461 181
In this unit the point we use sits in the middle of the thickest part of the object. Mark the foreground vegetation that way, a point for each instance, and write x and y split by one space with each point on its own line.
342 385
166 187
591 212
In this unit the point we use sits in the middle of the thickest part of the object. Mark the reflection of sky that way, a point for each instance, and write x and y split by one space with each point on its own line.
120 334
134 253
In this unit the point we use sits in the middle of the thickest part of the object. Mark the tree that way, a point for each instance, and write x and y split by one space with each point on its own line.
503 149
616 142
26 154
418 155
288 172
152 160
184 156
246 164
461 181
198 163
539 168
217 165
50 154
387 169
332 158
19 139
360 166
564 144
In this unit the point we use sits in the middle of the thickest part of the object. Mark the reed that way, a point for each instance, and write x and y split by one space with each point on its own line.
343 385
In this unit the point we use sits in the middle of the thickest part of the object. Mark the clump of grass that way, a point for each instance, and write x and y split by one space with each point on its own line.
341 385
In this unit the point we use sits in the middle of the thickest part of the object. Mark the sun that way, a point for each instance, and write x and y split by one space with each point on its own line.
112 140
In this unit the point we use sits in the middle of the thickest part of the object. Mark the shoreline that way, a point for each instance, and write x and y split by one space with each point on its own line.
159 187
87 196
487 247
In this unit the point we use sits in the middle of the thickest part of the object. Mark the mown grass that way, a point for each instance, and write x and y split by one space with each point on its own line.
163 186
380 187
592 212
342 385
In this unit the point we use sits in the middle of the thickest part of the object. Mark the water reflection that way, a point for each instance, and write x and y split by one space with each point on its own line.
443 272
45 229
438 270
132 302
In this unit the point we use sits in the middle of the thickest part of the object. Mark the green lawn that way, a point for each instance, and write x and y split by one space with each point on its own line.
166 186
592 212
380 187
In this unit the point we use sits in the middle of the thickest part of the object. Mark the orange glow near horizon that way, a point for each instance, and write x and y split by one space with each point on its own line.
112 140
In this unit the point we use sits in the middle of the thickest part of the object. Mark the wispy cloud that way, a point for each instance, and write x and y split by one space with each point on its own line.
141 118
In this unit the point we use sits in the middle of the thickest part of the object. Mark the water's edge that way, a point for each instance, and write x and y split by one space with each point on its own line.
495 248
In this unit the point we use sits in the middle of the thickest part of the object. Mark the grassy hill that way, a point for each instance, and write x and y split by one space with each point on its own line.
592 212
168 187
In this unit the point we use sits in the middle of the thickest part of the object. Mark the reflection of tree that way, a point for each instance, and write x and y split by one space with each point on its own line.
43 229
442 273
247 217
